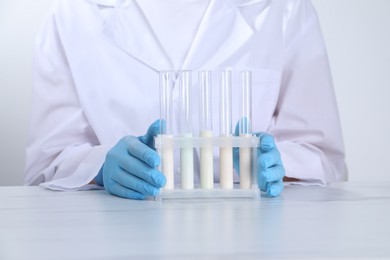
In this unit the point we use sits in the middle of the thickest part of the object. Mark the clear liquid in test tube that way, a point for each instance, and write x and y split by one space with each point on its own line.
225 128
245 128
206 130
185 129
167 161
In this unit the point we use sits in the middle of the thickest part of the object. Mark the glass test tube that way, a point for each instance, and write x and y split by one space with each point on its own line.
225 128
206 130
167 164
185 130
245 128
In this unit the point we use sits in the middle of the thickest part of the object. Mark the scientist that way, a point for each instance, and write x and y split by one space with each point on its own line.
95 89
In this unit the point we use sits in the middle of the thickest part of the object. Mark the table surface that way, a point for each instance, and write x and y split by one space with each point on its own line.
341 221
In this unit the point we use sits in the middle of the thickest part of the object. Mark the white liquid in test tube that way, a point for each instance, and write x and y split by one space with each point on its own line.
167 164
225 127
245 128
185 129
206 130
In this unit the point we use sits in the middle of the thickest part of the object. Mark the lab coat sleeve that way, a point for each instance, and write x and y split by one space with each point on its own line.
306 123
63 152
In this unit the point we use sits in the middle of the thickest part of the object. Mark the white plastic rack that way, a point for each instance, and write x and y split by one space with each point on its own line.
197 192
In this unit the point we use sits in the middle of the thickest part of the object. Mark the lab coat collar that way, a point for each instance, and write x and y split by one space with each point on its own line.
222 31
113 3
109 3
242 3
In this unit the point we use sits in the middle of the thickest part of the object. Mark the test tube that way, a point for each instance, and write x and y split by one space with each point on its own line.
206 130
225 128
245 128
167 165
185 129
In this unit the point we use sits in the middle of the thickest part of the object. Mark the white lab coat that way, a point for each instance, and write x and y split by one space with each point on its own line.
96 80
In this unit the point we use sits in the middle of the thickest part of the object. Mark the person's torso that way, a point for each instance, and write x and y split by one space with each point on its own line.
115 54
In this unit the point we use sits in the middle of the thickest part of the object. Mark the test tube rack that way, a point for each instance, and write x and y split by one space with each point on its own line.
197 192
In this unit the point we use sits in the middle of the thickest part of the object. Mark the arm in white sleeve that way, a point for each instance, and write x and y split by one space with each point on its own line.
306 124
63 151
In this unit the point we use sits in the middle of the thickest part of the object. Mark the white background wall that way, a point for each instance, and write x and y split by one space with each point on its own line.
357 34
19 23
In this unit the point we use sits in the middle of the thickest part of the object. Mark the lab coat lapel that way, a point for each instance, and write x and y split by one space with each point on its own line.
129 29
108 3
222 31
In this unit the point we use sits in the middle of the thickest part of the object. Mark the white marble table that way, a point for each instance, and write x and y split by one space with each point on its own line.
343 221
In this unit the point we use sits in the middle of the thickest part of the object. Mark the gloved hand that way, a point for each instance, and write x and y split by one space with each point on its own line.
129 170
270 168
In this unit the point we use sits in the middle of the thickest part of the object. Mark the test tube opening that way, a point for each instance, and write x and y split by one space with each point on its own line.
185 102
245 121
166 88
205 101
225 108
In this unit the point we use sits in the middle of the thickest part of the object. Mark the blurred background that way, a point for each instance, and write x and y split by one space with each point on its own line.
357 35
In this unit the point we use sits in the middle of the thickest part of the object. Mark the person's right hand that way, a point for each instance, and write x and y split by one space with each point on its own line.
129 170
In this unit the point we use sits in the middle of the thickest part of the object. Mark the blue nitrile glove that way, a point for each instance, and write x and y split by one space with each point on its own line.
129 170
269 164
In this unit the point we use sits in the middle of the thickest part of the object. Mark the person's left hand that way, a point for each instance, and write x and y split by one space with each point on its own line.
270 168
